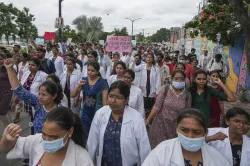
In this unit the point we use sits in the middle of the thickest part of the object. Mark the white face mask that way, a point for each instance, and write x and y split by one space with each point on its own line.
191 144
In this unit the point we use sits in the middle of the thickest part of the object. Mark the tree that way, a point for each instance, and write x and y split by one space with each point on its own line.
26 29
15 22
161 35
229 18
89 28
120 32
140 37
104 35
7 26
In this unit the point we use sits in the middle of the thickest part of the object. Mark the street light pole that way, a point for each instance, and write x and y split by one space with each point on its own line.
133 20
143 34
60 15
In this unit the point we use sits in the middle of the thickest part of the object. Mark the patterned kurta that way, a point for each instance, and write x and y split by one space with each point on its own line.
164 126
5 93
112 146
32 99
188 163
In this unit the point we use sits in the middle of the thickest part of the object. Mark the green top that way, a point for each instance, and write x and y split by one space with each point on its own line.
199 103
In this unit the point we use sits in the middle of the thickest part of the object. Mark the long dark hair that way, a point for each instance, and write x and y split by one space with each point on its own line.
38 63
96 66
53 89
66 119
193 88
195 114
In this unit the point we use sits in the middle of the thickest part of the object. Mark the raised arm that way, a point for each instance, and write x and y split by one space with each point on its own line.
230 96
10 136
78 89
9 63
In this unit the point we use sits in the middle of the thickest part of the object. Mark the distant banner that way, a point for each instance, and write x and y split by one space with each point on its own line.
39 41
134 42
101 42
69 41
49 35
118 43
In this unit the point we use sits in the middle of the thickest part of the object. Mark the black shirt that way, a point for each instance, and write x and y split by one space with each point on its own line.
236 150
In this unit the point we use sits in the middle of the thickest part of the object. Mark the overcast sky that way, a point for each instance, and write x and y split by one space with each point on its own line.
155 14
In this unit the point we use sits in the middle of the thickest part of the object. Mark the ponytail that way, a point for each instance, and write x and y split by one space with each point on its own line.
79 136
66 119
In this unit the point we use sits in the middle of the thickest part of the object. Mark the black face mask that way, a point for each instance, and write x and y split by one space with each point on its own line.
138 63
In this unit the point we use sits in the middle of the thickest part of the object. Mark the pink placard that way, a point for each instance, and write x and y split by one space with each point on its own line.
118 43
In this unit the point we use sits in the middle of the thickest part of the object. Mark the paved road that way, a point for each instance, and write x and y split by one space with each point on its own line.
26 131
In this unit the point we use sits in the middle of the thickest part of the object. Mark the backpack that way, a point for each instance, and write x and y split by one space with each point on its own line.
213 62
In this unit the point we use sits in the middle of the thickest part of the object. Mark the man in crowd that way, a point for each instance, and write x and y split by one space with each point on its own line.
47 64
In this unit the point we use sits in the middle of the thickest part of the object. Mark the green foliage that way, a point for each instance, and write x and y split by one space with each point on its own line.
161 35
216 19
104 35
120 32
90 29
15 22
140 37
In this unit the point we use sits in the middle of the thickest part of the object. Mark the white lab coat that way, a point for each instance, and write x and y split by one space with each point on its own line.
105 62
59 65
48 55
85 71
109 70
112 79
164 72
38 80
136 100
134 139
83 60
75 77
136 81
31 148
169 153
201 61
155 80
125 59
224 147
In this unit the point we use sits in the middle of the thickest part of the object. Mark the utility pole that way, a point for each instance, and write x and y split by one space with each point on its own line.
143 34
60 15
133 20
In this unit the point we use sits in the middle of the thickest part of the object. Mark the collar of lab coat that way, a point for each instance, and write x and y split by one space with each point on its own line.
177 155
69 158
126 118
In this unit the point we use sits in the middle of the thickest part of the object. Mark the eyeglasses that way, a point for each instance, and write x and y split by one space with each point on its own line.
241 122
42 95
199 79
112 96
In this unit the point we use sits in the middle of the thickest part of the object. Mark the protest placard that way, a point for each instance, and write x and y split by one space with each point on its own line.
118 43
39 41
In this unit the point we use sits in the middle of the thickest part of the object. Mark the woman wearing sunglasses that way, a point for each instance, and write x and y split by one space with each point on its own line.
202 94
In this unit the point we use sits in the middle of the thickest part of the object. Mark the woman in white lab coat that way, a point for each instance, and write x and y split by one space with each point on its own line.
135 97
232 142
23 66
111 68
150 82
62 141
118 133
32 79
190 148
119 69
58 61
69 81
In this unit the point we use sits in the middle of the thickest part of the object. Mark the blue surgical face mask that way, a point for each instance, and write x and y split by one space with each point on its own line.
191 144
53 146
182 61
178 85
212 82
